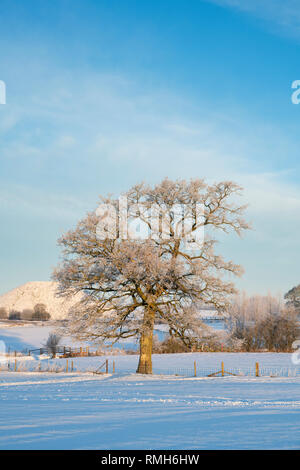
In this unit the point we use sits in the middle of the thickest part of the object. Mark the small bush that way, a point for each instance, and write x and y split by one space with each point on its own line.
52 343
170 345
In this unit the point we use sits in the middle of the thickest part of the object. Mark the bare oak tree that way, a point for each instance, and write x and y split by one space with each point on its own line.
128 283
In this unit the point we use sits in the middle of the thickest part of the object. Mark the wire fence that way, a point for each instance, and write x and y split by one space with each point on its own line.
60 351
16 364
262 371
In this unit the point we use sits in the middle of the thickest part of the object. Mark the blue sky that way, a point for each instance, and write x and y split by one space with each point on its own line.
104 94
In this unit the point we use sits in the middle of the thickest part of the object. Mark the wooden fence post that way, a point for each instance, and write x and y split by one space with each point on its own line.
72 366
114 367
257 369
106 366
195 369
67 366
222 368
81 351
15 365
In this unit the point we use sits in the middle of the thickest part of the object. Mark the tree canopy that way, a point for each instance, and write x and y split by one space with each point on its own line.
127 282
293 297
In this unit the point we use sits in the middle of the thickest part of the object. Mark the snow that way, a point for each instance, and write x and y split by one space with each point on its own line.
28 336
127 411
82 411
24 337
31 336
180 364
170 410
28 295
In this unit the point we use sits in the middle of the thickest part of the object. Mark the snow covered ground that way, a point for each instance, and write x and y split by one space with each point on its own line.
125 411
79 410
128 411
30 336
270 364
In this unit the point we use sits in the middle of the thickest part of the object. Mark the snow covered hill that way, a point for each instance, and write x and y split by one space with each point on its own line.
32 293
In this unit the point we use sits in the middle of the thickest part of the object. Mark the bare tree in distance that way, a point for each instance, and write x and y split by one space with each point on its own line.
252 308
14 315
40 313
3 313
262 322
27 314
127 283
52 343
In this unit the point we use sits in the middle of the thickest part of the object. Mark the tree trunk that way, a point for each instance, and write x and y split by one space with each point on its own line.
146 340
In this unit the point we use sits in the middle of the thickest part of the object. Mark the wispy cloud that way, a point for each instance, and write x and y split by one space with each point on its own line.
282 15
24 201
111 124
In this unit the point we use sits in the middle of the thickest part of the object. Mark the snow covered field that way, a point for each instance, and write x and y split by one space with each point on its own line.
79 410
127 411
47 411
29 336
